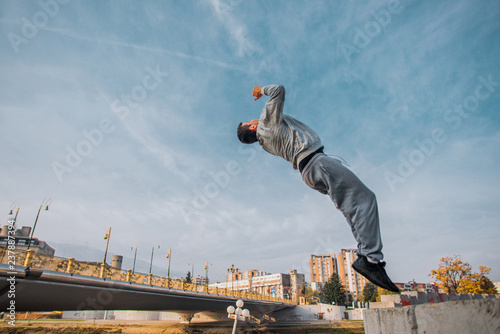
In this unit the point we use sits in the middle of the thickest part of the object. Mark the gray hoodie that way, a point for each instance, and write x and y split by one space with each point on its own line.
283 135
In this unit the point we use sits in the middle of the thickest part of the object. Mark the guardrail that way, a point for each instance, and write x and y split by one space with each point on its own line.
101 270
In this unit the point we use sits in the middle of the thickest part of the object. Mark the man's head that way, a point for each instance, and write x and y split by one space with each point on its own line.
247 132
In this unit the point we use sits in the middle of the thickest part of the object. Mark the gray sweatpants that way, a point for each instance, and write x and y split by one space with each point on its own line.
356 202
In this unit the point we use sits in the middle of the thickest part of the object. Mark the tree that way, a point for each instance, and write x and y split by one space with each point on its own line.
487 286
450 271
311 295
457 277
333 291
369 293
477 282
188 277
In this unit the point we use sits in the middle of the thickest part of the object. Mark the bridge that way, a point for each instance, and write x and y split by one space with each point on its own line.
26 289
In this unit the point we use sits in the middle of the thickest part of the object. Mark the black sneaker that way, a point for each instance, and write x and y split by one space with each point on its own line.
375 273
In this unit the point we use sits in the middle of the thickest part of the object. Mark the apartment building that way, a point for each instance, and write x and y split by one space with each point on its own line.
287 286
322 268
352 281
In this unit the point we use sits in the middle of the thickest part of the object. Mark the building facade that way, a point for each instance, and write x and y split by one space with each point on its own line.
414 286
287 286
352 281
238 275
199 280
21 241
297 285
322 267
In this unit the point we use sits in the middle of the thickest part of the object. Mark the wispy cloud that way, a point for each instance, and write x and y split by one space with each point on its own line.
235 27
138 47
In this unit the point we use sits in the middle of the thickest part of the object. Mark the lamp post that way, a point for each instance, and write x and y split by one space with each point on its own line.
206 271
192 268
169 257
135 257
237 314
206 277
12 208
47 201
152 253
150 275
232 270
107 236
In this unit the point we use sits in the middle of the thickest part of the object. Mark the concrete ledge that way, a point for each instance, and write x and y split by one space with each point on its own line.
383 304
418 297
465 316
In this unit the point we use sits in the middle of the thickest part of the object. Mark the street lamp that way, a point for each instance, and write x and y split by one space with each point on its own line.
47 201
150 275
232 270
206 271
206 277
192 268
169 257
107 236
152 253
12 208
237 314
135 257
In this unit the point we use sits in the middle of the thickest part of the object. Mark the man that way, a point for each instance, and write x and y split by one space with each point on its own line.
295 142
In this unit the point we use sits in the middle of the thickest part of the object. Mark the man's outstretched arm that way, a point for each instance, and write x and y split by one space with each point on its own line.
273 109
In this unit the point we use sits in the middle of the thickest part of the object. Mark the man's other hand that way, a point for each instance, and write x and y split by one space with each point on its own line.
257 92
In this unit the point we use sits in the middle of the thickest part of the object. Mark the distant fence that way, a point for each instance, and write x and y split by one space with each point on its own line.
101 270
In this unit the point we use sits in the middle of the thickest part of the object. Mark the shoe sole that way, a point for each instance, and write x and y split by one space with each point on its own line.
366 275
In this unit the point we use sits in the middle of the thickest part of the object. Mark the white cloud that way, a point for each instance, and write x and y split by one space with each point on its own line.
236 28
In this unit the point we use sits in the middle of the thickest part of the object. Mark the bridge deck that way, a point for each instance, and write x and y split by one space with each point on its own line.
36 290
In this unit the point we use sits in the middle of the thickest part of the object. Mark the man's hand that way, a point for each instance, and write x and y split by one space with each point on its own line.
257 92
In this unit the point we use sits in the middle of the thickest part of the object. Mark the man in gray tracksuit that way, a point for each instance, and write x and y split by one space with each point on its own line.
297 143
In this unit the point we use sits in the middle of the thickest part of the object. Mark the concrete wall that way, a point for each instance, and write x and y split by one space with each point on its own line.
144 315
356 314
417 297
140 315
87 315
299 313
466 316
311 312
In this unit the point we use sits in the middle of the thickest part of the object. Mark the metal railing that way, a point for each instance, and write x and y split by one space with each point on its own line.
100 270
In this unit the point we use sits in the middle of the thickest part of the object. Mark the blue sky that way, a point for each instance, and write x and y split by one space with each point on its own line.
124 113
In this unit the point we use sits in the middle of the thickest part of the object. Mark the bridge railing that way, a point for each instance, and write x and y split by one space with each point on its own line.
17 257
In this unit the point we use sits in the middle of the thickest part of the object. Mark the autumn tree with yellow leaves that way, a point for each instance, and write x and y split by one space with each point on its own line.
457 277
